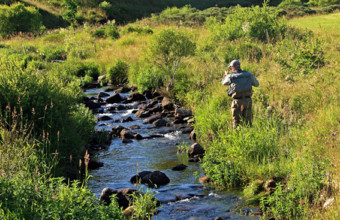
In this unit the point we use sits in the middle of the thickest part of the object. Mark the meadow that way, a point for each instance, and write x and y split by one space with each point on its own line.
286 163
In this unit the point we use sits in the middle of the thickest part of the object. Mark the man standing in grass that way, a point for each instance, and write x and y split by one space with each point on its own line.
240 89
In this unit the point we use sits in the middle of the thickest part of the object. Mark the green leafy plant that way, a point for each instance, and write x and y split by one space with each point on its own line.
168 48
117 73
18 18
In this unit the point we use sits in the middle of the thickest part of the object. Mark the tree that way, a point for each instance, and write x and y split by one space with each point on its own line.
168 48
71 10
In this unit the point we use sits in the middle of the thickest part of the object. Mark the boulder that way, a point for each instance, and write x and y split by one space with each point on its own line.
128 119
138 137
122 90
92 105
104 118
156 109
106 194
142 113
151 104
136 96
127 134
135 127
160 123
182 113
179 167
138 178
155 94
102 79
124 196
167 104
153 118
103 94
94 164
116 130
155 179
196 150
116 98
147 94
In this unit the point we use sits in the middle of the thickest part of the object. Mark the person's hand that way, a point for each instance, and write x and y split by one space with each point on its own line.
226 72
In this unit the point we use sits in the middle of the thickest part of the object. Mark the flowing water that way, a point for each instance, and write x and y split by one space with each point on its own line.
184 197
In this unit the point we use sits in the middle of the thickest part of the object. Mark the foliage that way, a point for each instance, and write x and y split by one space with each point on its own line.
18 18
117 73
111 30
258 23
149 79
137 29
323 2
168 48
300 56
71 10
144 204
50 106
54 52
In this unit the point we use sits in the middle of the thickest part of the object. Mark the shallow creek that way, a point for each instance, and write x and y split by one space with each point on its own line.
184 197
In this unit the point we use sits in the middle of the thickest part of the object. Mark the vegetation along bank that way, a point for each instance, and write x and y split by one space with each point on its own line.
287 163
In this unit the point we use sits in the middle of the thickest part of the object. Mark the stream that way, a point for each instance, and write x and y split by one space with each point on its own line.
184 197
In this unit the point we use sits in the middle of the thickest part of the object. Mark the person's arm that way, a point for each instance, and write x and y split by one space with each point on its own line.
254 81
226 80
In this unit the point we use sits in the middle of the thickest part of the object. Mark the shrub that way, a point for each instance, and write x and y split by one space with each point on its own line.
149 79
242 50
117 73
54 53
137 29
258 23
144 205
300 56
18 18
50 104
111 30
99 32
168 48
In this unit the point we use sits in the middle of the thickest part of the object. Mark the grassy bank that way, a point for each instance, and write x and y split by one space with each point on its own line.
286 163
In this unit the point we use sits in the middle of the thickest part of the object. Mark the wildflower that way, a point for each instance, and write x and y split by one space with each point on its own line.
333 134
33 111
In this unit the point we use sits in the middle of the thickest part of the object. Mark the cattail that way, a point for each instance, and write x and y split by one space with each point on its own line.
58 135
55 154
70 158
87 158
45 107
79 163
51 104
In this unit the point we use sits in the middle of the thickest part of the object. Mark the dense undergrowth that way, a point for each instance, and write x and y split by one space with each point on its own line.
293 140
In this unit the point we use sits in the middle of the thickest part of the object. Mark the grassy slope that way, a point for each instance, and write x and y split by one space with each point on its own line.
327 27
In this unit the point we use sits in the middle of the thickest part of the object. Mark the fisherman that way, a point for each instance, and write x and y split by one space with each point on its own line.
240 89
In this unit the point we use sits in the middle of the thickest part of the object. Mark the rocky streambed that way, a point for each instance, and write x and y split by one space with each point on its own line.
147 132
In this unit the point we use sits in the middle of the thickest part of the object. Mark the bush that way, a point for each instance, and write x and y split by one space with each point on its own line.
99 33
168 48
50 105
258 23
300 56
149 79
117 73
18 18
79 68
54 53
242 50
137 29
111 30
